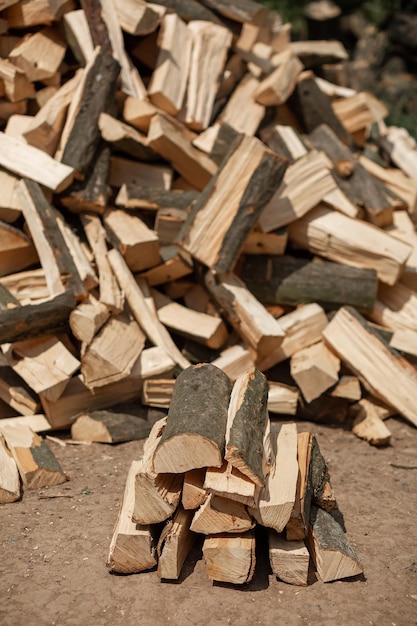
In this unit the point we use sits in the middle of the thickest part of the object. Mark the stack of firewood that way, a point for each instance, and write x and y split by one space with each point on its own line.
214 467
180 186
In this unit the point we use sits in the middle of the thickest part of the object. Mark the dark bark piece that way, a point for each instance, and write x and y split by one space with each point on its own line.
362 189
272 136
190 10
333 555
322 20
314 108
225 138
31 321
7 299
98 28
239 10
85 134
133 196
196 427
323 495
291 281
246 425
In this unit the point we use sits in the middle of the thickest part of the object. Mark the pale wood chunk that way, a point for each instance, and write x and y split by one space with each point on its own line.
289 559
87 319
242 112
368 424
220 515
169 79
405 341
229 483
34 12
136 17
38 423
277 498
396 180
158 392
125 138
16 84
230 559
9 474
78 36
358 111
318 52
138 113
37 465
16 250
402 149
276 88
138 244
235 361
395 307
9 202
175 544
16 394
282 399
39 55
114 425
348 387
403 229
333 555
315 369
385 374
193 492
176 264
297 525
132 547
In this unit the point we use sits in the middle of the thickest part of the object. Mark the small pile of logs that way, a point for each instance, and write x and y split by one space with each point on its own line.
179 185
214 467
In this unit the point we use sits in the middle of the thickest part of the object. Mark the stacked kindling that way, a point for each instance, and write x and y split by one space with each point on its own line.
214 467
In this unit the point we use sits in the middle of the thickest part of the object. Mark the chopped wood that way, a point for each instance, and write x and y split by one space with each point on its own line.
298 523
242 112
322 492
132 547
333 555
276 88
9 203
77 34
229 483
158 392
16 393
174 544
347 387
315 369
395 308
230 558
40 54
368 424
133 196
124 138
404 341
137 243
37 465
138 113
195 433
220 515
193 493
9 475
87 318
282 399
382 371
16 84
136 17
16 250
235 361
289 559
314 53
38 423
401 148
27 13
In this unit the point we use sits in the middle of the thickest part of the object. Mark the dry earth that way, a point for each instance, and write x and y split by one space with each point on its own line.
53 550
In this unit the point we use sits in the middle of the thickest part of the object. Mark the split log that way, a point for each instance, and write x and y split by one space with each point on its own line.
395 180
315 369
137 18
16 84
277 498
284 140
242 112
131 171
158 392
38 423
168 224
289 559
174 544
259 329
138 244
26 14
16 393
156 495
395 308
195 433
37 465
401 148
368 424
257 243
403 228
348 387
333 555
220 515
138 113
124 138
382 371
298 524
87 318
246 425
276 88
351 242
9 202
9 475
193 493
230 559
175 264
322 492
235 361
39 54
132 547
240 11
229 483
292 281
405 341
282 399
78 36
133 196
189 10
16 250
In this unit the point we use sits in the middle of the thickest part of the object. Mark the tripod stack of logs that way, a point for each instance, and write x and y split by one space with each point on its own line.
215 468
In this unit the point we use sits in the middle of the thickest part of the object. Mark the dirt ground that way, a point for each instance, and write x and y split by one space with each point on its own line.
53 550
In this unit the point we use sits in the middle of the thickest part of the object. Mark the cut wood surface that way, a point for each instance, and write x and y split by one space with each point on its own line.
230 558
282 398
193 493
9 475
174 544
228 482
196 426
297 525
220 515
289 559
315 369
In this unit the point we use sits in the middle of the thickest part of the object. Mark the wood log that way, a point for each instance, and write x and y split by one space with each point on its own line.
87 318
322 492
25 14
133 196
174 544
137 18
368 424
235 361
333 555
220 515
322 19
291 281
284 140
240 11
128 171
259 329
78 36
38 423
16 393
351 242
168 224
313 53
289 559
39 54
18 157
230 559
229 483
189 10
137 243
242 112
257 243
277 498
359 111
124 138
193 493
9 203
386 375
175 265
158 392
298 524
394 308
395 180
132 547
138 113
282 399
156 495
79 254
16 250
348 387
16 84
246 425
9 475
315 369
36 463
401 148
403 229
405 341
189 442
276 88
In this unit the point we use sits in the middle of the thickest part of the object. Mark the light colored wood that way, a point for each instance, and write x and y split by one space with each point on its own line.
220 515
395 308
78 36
138 244
16 250
395 180
110 294
38 423
125 138
387 376
368 425
16 84
279 137
14 392
320 50
242 112
193 493
359 111
36 463
405 341
18 157
9 475
113 352
168 224
138 113
315 369
229 483
125 171
276 88
27 287
282 399
9 203
78 253
132 547
158 392
34 12
156 495
174 545
176 264
277 498
39 54
297 525
403 229
289 559
348 387
402 149
210 46
136 17
235 361
259 329
265 243
230 559
333 90
351 242
144 316
87 319
171 140
302 327
168 83
46 365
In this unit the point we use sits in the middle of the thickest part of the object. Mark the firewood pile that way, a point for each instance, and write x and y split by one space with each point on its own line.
180 186
215 468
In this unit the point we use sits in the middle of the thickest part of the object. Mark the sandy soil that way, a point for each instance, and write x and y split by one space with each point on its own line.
53 550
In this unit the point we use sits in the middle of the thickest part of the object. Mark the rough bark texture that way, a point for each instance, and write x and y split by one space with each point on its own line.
137 197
